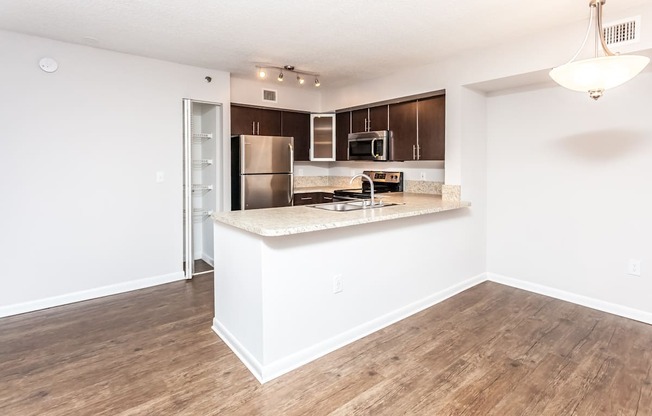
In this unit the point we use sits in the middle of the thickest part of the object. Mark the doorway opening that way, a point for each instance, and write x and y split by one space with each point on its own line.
202 127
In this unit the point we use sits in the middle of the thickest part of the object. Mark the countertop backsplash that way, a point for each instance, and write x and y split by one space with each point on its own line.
343 182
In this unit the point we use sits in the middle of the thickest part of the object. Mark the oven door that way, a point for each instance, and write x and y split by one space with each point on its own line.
368 146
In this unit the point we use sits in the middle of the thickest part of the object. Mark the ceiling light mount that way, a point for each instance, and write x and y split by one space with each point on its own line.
301 74
595 75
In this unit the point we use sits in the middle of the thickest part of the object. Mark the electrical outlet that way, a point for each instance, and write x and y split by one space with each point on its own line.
160 176
352 172
300 172
634 268
338 283
423 176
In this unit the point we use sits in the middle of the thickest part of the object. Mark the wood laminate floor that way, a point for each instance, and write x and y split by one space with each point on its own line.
491 350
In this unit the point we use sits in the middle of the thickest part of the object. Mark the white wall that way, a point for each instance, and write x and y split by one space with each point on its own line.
250 91
293 317
81 213
569 192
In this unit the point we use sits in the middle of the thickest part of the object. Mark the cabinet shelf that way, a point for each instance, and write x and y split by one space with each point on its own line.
201 163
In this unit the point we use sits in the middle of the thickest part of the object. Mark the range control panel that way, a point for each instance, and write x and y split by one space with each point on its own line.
384 176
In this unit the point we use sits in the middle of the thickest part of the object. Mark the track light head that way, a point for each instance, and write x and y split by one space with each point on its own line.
262 73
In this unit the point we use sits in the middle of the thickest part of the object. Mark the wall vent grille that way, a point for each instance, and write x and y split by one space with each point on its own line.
269 96
623 32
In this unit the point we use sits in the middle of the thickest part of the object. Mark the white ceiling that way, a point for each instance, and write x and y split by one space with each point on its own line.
343 40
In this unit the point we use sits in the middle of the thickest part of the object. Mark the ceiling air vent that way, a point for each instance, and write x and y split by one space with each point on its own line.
623 32
269 96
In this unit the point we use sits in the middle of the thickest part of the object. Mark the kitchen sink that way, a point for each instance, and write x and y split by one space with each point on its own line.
349 206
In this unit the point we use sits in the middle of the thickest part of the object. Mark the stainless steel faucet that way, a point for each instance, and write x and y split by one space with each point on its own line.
371 183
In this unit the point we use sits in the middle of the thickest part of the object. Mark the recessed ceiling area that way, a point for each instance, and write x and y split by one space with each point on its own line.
344 41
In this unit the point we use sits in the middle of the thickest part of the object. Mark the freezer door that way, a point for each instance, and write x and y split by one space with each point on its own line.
267 191
266 154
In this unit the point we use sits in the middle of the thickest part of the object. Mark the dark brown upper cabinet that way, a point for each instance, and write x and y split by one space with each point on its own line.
256 121
403 124
432 128
369 119
342 130
297 125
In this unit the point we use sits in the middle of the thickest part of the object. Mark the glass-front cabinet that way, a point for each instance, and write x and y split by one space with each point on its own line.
322 137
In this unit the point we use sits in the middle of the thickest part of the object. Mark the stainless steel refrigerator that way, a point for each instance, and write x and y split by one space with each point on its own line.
261 172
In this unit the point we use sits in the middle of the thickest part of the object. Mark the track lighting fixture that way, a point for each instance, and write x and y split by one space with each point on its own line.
597 74
262 73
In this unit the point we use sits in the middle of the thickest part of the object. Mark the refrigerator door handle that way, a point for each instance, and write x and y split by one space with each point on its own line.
291 187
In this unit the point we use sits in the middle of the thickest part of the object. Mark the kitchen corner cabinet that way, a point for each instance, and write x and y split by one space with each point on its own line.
342 130
256 121
297 125
369 119
322 137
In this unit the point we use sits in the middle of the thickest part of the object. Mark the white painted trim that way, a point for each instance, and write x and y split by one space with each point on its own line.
267 372
88 294
208 259
597 304
254 366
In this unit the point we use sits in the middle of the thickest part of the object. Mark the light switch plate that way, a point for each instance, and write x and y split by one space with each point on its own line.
160 176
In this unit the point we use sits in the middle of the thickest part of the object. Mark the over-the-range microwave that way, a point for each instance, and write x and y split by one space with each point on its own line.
370 145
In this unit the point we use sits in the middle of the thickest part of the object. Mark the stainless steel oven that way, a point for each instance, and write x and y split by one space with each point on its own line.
383 182
370 145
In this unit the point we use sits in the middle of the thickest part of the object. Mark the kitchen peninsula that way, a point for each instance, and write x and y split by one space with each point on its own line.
294 283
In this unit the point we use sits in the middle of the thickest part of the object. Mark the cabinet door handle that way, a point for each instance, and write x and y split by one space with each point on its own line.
258 127
253 127
309 198
418 152
328 198
414 152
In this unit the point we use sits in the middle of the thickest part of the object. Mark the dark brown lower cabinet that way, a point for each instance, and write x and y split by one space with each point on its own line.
308 198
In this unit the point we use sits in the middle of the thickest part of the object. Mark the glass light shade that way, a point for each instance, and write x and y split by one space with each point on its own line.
599 74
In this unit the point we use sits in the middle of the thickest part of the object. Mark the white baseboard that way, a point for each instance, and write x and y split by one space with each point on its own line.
267 372
82 295
208 259
592 303
254 366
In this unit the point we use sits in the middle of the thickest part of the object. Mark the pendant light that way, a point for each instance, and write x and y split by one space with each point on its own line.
598 74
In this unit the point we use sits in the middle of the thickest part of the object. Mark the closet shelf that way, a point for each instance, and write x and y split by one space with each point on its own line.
200 163
200 212
199 137
198 188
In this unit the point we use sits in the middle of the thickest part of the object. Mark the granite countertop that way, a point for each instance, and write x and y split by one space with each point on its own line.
272 222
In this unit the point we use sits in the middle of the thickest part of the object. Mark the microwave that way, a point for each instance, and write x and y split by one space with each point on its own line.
370 145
